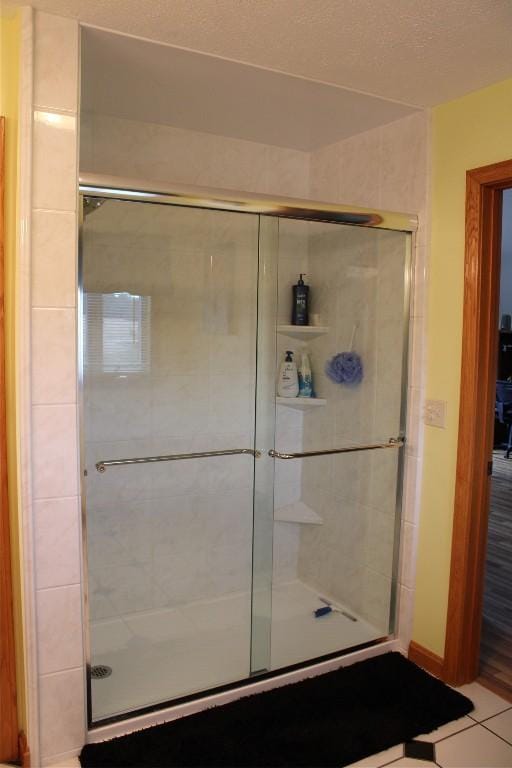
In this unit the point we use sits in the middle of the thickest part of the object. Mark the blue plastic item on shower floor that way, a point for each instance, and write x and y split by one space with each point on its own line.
328 607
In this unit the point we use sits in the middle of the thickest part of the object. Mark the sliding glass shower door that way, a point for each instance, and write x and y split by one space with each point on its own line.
232 531
338 455
169 305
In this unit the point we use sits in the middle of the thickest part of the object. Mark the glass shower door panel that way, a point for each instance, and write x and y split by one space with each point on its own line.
169 299
337 515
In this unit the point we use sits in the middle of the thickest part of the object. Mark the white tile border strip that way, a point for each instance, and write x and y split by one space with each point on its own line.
24 381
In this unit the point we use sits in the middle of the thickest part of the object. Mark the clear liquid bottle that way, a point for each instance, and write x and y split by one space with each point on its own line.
305 377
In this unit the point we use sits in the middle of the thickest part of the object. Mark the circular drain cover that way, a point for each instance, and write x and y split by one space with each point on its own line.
99 671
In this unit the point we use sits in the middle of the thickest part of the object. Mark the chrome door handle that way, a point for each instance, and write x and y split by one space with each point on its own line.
101 466
393 442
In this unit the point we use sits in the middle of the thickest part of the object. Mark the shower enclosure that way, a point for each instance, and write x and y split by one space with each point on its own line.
218 517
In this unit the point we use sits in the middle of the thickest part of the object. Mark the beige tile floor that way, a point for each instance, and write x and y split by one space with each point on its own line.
481 740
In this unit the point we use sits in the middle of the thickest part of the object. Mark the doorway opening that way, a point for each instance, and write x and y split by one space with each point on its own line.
484 202
496 640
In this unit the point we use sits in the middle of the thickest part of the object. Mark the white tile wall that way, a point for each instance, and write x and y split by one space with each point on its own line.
54 160
162 153
54 360
54 445
56 63
57 542
62 709
53 239
59 614
54 389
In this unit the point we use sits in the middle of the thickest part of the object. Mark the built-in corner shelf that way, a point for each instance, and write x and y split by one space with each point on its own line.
301 403
303 332
298 512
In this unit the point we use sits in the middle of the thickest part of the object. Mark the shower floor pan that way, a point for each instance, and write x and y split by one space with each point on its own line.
161 655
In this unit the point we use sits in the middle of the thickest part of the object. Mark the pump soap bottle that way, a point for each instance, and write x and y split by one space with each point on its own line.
300 313
288 383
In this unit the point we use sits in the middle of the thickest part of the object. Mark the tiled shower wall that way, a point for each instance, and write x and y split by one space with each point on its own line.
158 153
167 534
357 279
386 167
133 149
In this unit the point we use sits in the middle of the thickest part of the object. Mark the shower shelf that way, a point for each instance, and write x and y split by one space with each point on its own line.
301 403
297 512
303 331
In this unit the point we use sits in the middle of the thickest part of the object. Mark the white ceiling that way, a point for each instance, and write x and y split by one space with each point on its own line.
421 52
138 80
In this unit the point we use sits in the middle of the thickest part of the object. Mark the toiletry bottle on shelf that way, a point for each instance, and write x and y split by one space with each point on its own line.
305 377
300 303
288 384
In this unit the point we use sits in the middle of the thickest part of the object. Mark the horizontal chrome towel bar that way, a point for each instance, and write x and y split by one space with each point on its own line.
393 442
101 466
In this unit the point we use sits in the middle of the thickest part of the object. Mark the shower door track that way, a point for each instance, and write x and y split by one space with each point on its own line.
257 682
119 188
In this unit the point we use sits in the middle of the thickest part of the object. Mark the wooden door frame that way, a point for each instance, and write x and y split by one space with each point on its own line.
484 192
8 713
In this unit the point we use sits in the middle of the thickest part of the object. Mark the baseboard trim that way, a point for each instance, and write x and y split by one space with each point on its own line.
426 659
24 750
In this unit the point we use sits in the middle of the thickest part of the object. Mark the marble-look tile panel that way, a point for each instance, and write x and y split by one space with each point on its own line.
359 162
412 489
405 616
53 258
54 161
165 153
415 398
419 297
417 352
57 543
62 712
55 62
59 622
53 356
408 555
403 164
55 471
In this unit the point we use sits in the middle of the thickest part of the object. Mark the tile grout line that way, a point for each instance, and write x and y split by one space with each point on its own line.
496 715
491 716
395 759
497 735
455 733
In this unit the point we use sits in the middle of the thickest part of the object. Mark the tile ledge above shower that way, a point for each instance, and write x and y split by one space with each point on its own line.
297 512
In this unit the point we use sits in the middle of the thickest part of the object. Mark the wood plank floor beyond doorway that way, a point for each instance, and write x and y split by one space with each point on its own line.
496 644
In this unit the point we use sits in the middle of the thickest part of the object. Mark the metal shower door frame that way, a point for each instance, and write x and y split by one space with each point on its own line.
97 186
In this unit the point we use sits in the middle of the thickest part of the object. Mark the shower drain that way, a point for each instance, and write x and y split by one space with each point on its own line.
99 671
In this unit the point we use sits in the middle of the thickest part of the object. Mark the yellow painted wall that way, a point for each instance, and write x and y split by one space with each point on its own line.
10 39
467 133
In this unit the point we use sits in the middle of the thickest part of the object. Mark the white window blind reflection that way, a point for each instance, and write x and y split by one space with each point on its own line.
117 332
